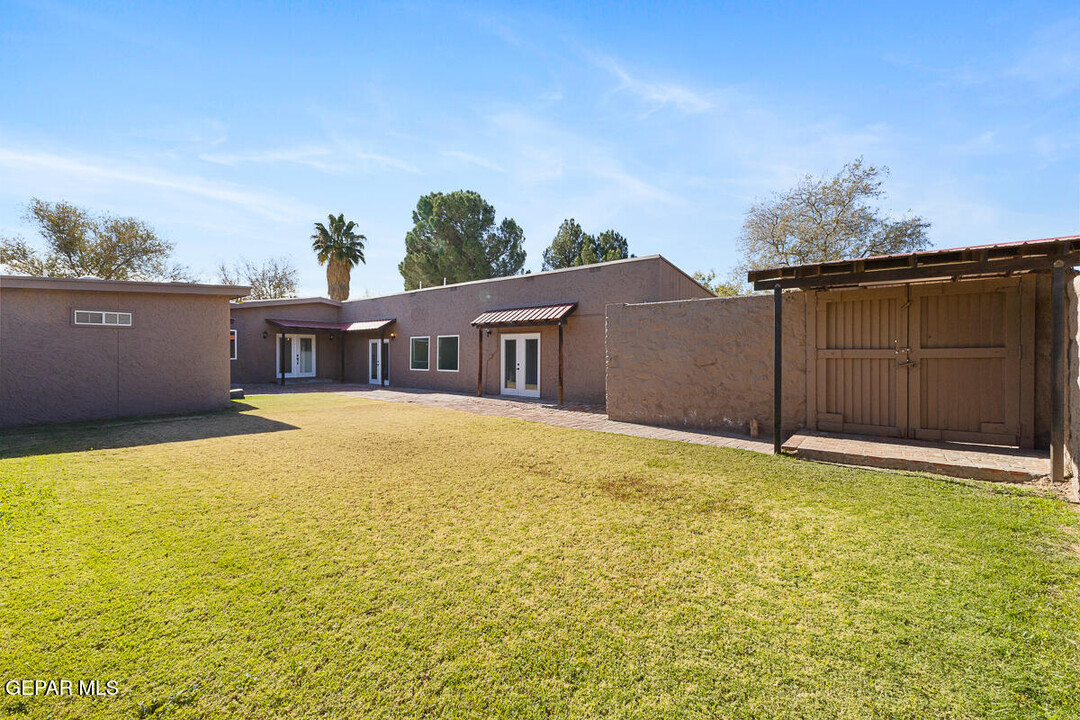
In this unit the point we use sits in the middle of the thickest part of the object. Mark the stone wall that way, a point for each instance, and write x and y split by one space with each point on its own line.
705 363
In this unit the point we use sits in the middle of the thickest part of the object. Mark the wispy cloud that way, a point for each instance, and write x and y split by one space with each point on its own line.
387 161
1052 61
96 170
311 157
472 159
656 94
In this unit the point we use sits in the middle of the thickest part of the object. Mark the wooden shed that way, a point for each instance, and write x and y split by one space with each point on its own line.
963 345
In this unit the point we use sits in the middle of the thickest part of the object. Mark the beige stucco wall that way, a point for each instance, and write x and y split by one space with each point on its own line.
449 310
173 359
705 363
256 357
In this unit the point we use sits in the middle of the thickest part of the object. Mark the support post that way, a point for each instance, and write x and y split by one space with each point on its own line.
479 362
281 356
560 363
341 339
1057 373
778 358
384 359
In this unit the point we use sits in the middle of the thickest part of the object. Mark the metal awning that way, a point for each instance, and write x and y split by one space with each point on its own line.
965 262
535 315
356 326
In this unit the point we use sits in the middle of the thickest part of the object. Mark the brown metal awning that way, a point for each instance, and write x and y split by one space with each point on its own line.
965 262
536 315
357 326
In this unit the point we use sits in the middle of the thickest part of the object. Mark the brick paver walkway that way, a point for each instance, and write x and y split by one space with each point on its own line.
969 461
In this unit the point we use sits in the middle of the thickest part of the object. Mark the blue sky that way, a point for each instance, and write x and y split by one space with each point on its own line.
233 128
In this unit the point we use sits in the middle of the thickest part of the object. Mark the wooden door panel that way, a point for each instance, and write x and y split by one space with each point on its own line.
965 383
859 386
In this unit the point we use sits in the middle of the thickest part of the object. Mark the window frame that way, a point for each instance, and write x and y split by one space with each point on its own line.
104 315
427 339
234 344
457 367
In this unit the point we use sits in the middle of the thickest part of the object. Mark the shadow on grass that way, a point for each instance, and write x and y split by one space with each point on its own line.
134 432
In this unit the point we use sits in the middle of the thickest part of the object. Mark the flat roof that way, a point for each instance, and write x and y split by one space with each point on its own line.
951 263
28 282
505 278
287 301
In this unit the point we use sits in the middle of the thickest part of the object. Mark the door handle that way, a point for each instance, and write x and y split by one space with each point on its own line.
907 363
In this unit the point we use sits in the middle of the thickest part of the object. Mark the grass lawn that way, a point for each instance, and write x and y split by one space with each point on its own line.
320 556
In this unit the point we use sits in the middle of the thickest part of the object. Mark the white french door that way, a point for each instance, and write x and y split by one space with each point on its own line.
297 355
379 362
520 364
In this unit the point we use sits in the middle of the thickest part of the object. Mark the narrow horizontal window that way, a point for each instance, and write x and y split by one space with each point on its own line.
448 353
419 353
103 318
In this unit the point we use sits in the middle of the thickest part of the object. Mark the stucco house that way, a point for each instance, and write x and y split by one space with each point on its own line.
539 335
90 349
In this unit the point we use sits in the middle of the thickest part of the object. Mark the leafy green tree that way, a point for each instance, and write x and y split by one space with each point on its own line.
455 239
572 247
338 246
822 219
80 243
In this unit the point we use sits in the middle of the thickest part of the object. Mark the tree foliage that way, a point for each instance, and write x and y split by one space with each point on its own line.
338 246
455 239
80 243
572 247
734 286
822 219
272 279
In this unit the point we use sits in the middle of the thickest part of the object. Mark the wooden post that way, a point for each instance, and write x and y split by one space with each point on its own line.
1057 373
384 359
281 357
341 339
778 341
560 363
479 362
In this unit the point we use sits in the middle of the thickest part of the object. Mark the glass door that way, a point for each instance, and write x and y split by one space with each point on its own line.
305 356
521 364
374 363
297 356
378 362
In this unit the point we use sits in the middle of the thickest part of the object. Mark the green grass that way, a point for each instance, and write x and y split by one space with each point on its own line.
320 556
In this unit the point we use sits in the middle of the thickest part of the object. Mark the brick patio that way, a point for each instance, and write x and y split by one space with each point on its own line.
979 462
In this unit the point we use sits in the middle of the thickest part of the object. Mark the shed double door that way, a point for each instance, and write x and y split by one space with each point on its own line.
941 361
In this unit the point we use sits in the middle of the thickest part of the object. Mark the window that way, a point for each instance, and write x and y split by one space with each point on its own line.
232 344
418 356
103 318
447 353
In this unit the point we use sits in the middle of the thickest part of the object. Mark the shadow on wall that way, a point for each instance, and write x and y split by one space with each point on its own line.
134 432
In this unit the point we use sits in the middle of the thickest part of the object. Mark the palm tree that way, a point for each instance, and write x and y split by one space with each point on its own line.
339 248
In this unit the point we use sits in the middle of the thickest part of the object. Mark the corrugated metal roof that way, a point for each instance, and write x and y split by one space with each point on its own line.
971 261
367 325
536 315
358 326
